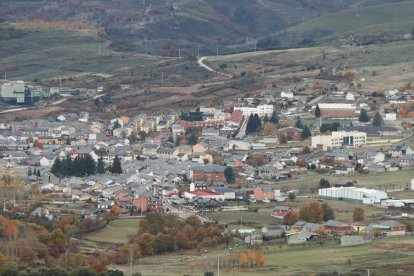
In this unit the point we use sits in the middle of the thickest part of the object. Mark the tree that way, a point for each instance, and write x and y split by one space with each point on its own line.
274 118
328 212
363 116
265 119
290 218
56 169
229 174
116 165
38 173
89 165
192 139
311 212
142 135
282 139
257 122
269 129
299 124
67 166
117 125
292 196
324 183
377 120
100 168
358 214
317 111
306 133
29 172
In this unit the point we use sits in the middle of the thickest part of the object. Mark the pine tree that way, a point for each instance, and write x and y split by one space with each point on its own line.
299 124
363 116
265 119
306 133
38 173
229 174
67 166
274 118
377 120
29 172
100 168
77 167
90 165
257 123
116 166
56 169
192 139
250 124
317 111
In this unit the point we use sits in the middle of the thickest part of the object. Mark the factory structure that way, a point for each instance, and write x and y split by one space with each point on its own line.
336 110
20 93
339 139
353 194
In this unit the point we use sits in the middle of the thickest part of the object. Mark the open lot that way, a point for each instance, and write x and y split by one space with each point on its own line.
117 231
392 256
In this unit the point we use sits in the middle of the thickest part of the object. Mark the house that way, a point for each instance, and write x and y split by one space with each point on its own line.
207 204
254 239
337 226
344 169
146 202
273 231
387 228
400 150
200 148
227 193
264 193
165 152
301 237
281 211
204 194
150 149
208 174
291 133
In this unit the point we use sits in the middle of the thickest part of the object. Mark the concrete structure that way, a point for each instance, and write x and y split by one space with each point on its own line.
209 174
339 139
361 195
261 110
354 240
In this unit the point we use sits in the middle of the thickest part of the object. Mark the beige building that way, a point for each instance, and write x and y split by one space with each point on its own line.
339 139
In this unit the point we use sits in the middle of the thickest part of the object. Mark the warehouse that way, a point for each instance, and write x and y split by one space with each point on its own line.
336 110
339 139
360 195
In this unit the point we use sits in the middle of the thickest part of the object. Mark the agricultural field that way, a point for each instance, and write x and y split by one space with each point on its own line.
117 231
390 256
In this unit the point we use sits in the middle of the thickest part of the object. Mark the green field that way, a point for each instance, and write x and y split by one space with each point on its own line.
392 256
117 231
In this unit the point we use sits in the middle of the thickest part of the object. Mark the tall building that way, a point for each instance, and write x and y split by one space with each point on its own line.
18 92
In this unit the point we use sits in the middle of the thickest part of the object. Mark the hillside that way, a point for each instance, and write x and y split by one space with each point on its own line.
164 26
362 19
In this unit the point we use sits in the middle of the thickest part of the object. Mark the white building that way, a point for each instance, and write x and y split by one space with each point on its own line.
363 195
13 92
339 139
261 110
389 117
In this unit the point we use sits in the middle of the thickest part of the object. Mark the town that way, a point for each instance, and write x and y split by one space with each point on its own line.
277 168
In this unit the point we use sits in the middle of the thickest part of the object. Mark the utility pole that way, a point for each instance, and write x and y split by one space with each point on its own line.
217 49
198 51
99 50
130 259
218 266
5 75
179 54
162 77
368 271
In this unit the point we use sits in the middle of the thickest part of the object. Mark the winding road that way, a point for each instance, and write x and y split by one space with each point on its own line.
201 63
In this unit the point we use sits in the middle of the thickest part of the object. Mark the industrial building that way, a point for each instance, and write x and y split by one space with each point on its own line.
339 139
336 110
18 92
360 195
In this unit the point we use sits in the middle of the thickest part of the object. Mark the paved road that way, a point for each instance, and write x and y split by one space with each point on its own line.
201 63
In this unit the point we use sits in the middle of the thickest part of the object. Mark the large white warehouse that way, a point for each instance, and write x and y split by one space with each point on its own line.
362 195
